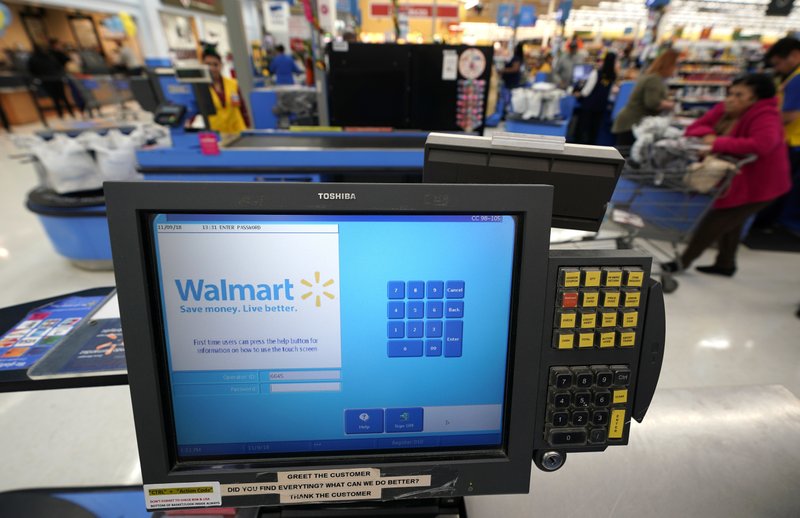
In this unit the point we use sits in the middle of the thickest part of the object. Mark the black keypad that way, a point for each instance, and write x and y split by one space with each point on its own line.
561 399
580 412
561 378
600 417
597 435
580 417
602 398
583 399
565 436
603 377
560 418
622 375
584 378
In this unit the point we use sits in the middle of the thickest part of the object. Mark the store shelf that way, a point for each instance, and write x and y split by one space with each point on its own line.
678 84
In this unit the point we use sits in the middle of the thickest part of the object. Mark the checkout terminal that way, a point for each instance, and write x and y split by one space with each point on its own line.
370 349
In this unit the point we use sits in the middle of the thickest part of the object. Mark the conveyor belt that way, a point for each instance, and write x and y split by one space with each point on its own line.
344 141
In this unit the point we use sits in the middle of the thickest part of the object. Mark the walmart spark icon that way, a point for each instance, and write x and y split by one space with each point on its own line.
315 288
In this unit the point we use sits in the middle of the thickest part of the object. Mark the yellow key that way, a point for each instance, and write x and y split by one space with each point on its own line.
591 278
630 318
607 339
616 424
635 278
567 320
632 299
627 338
566 341
608 319
588 320
571 279
613 278
586 339
590 299
611 299
620 396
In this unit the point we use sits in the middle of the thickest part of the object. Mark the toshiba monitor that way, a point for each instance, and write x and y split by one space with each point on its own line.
296 344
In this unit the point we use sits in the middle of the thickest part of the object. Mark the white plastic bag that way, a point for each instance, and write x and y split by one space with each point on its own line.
67 165
519 100
116 155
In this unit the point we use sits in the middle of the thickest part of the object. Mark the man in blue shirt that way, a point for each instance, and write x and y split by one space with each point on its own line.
283 67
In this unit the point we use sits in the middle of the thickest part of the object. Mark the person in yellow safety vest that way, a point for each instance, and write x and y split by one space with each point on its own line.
231 116
784 58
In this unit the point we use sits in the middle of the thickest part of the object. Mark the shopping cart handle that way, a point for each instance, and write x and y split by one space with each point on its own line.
739 161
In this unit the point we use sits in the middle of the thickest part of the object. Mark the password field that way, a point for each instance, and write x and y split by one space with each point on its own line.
305 387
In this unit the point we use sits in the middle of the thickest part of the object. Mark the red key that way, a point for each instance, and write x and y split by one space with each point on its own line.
569 299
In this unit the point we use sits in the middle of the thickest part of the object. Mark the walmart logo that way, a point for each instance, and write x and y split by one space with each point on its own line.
316 290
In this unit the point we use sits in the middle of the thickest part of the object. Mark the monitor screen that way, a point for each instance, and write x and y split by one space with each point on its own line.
327 333
283 335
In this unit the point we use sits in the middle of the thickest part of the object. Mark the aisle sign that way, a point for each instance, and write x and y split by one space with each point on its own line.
276 16
505 15
326 13
384 10
527 16
562 14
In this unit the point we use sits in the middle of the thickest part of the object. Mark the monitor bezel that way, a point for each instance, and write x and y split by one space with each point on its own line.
478 471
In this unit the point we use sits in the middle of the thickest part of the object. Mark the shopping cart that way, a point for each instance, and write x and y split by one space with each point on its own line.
654 208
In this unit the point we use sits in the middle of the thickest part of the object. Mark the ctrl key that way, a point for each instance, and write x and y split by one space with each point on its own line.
567 436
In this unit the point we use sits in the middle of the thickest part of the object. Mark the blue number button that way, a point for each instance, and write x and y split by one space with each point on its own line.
416 309
434 309
396 290
433 347
416 290
404 348
435 289
433 329
453 338
454 289
400 420
395 330
414 329
454 309
366 420
396 310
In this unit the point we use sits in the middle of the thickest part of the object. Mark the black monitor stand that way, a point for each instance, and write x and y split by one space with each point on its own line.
422 508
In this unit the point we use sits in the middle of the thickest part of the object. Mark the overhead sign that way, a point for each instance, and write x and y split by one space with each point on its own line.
527 16
505 15
780 7
203 6
384 10
326 14
5 18
276 16
562 14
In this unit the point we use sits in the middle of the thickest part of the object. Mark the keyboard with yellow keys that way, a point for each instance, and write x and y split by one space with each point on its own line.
602 350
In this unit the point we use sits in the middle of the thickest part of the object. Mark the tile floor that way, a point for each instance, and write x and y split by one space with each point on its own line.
720 332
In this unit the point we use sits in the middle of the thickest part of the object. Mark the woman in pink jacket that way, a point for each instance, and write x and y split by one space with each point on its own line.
746 123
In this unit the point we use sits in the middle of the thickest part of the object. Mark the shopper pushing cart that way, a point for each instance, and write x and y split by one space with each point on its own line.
747 126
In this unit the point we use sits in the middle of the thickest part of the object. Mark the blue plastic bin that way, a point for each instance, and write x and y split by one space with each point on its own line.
76 225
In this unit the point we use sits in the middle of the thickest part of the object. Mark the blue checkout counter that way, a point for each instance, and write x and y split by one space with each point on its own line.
267 155
77 225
